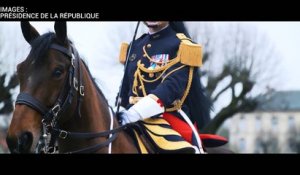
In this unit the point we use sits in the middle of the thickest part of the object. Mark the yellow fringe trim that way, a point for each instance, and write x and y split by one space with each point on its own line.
189 53
123 52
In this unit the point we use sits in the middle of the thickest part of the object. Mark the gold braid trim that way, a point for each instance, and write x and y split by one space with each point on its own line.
186 92
150 59
143 86
178 68
158 77
189 54
159 69
135 84
138 77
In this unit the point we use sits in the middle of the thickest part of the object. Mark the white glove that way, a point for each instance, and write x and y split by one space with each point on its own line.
129 117
147 107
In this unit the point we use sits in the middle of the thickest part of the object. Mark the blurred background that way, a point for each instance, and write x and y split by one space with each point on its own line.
250 72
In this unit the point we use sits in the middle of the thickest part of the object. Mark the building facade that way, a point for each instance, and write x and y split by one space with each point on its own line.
274 127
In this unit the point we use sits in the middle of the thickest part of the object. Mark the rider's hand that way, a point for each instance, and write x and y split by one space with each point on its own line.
127 116
147 107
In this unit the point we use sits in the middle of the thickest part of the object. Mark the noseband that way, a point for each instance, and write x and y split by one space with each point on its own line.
74 85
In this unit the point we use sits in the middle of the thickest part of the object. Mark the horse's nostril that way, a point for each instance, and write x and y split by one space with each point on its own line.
25 142
20 144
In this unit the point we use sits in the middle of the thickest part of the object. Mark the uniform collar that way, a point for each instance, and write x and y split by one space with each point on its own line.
164 32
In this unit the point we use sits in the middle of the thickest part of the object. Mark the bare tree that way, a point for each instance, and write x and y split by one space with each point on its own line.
236 59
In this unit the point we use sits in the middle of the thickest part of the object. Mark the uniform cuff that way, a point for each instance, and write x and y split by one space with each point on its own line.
147 107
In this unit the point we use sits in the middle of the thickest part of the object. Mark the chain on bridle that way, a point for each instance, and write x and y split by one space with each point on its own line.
74 85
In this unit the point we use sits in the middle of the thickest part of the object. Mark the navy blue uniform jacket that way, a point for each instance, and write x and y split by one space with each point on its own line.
165 44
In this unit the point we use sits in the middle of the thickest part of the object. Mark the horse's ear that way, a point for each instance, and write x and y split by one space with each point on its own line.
61 31
29 32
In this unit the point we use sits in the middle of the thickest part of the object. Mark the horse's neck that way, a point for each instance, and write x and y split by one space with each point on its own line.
95 117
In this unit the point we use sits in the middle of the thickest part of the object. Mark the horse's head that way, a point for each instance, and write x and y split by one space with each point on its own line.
44 82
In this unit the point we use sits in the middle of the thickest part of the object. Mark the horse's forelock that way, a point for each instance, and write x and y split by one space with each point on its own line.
39 48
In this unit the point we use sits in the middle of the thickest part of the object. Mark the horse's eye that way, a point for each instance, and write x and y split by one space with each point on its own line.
57 72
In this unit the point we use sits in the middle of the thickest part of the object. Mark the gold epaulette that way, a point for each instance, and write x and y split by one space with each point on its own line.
189 53
123 52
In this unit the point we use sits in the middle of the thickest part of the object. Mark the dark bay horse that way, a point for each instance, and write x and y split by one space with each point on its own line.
59 100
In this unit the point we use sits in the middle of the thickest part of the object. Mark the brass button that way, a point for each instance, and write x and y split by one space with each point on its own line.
148 45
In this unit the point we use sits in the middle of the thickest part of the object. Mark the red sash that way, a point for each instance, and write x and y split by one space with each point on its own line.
209 140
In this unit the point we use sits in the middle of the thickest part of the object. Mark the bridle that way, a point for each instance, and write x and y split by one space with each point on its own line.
74 85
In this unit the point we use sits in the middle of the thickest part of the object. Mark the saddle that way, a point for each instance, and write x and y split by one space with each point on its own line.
155 135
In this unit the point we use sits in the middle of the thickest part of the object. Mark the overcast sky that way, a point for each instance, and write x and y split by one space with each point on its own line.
286 37
98 43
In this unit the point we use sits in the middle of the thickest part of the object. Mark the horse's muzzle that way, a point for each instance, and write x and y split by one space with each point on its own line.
20 144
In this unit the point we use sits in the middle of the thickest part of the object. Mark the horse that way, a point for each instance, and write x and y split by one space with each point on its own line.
60 108
59 100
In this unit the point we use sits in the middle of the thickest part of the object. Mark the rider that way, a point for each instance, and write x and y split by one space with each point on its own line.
162 77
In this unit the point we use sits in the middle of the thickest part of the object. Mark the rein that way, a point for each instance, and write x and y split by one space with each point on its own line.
73 85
